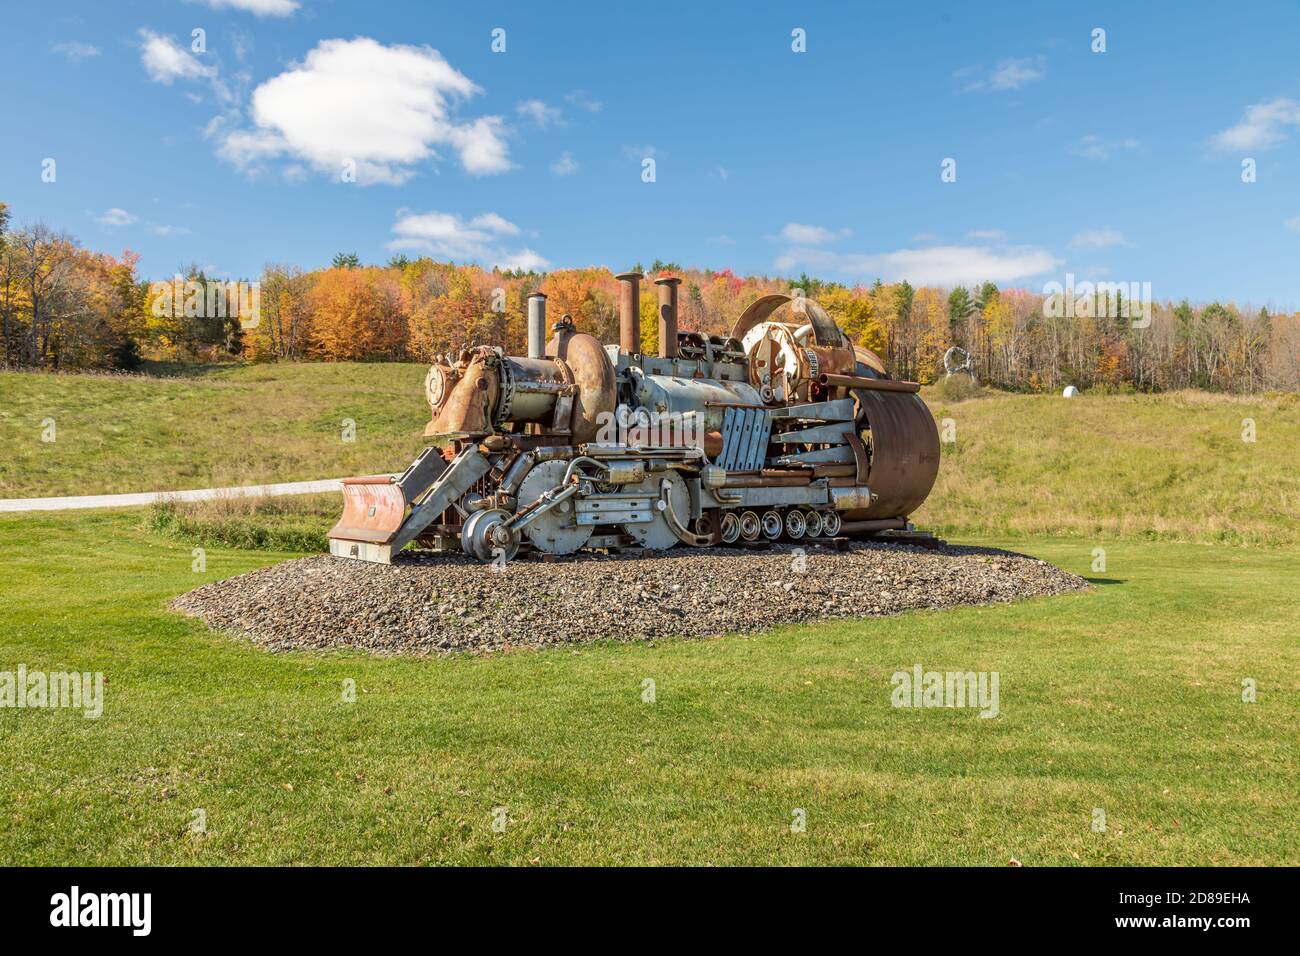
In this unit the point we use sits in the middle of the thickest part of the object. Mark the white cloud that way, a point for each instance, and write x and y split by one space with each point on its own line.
1012 73
524 259
165 60
986 234
580 99
639 152
1263 126
76 51
448 236
384 108
537 111
1098 147
262 8
723 173
1293 224
933 265
803 235
495 224
723 240
565 165
116 217
1099 239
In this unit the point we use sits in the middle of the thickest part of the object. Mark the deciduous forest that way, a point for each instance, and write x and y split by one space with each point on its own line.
63 307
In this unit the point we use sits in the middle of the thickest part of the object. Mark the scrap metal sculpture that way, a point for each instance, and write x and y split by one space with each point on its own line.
784 429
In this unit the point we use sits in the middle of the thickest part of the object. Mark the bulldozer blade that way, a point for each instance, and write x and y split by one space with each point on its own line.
375 524
373 510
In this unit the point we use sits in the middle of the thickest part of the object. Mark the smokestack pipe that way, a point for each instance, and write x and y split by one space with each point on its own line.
668 316
629 313
537 325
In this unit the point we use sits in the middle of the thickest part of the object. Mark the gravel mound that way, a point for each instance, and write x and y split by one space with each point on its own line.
429 603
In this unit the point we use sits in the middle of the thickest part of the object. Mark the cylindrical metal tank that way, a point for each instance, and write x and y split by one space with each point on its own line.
666 394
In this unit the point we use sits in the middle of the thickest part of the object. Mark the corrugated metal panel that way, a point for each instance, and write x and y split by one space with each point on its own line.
745 433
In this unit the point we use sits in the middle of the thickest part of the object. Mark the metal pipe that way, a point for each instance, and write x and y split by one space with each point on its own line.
629 313
668 316
537 325
869 384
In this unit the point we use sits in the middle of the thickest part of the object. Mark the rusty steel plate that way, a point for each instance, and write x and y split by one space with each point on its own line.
373 510
904 453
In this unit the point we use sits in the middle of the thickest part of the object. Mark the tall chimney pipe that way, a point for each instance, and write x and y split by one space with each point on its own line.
537 325
629 313
668 316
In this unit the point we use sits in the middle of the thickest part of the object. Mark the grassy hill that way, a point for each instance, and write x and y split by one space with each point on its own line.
1168 467
207 426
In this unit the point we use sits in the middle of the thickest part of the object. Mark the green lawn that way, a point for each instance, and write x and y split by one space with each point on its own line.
214 426
1126 698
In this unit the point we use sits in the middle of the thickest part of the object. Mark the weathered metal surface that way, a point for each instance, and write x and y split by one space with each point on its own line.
668 316
745 434
781 429
869 384
466 409
373 510
595 389
629 312
904 453
839 410
553 531
815 435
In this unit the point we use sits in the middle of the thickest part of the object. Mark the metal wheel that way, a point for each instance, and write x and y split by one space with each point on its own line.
556 531
831 523
657 535
485 535
730 528
794 525
812 524
771 525
750 526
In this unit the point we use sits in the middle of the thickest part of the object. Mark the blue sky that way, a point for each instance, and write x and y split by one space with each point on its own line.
1124 165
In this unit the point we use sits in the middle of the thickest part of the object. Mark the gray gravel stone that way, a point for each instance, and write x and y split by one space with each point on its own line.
431 603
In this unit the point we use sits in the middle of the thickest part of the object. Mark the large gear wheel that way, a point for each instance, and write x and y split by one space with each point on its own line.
657 534
555 531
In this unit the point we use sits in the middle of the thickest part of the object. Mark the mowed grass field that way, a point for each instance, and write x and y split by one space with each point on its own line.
1126 698
1166 467
209 426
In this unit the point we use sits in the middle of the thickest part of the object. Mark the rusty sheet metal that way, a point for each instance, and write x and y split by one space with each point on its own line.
758 311
904 453
373 510
464 413
596 390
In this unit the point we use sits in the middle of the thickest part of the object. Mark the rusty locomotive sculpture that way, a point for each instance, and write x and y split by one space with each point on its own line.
784 429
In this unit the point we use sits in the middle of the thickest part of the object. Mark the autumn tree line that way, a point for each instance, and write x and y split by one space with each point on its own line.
65 308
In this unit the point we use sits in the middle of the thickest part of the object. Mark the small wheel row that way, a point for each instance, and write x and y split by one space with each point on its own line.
794 524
